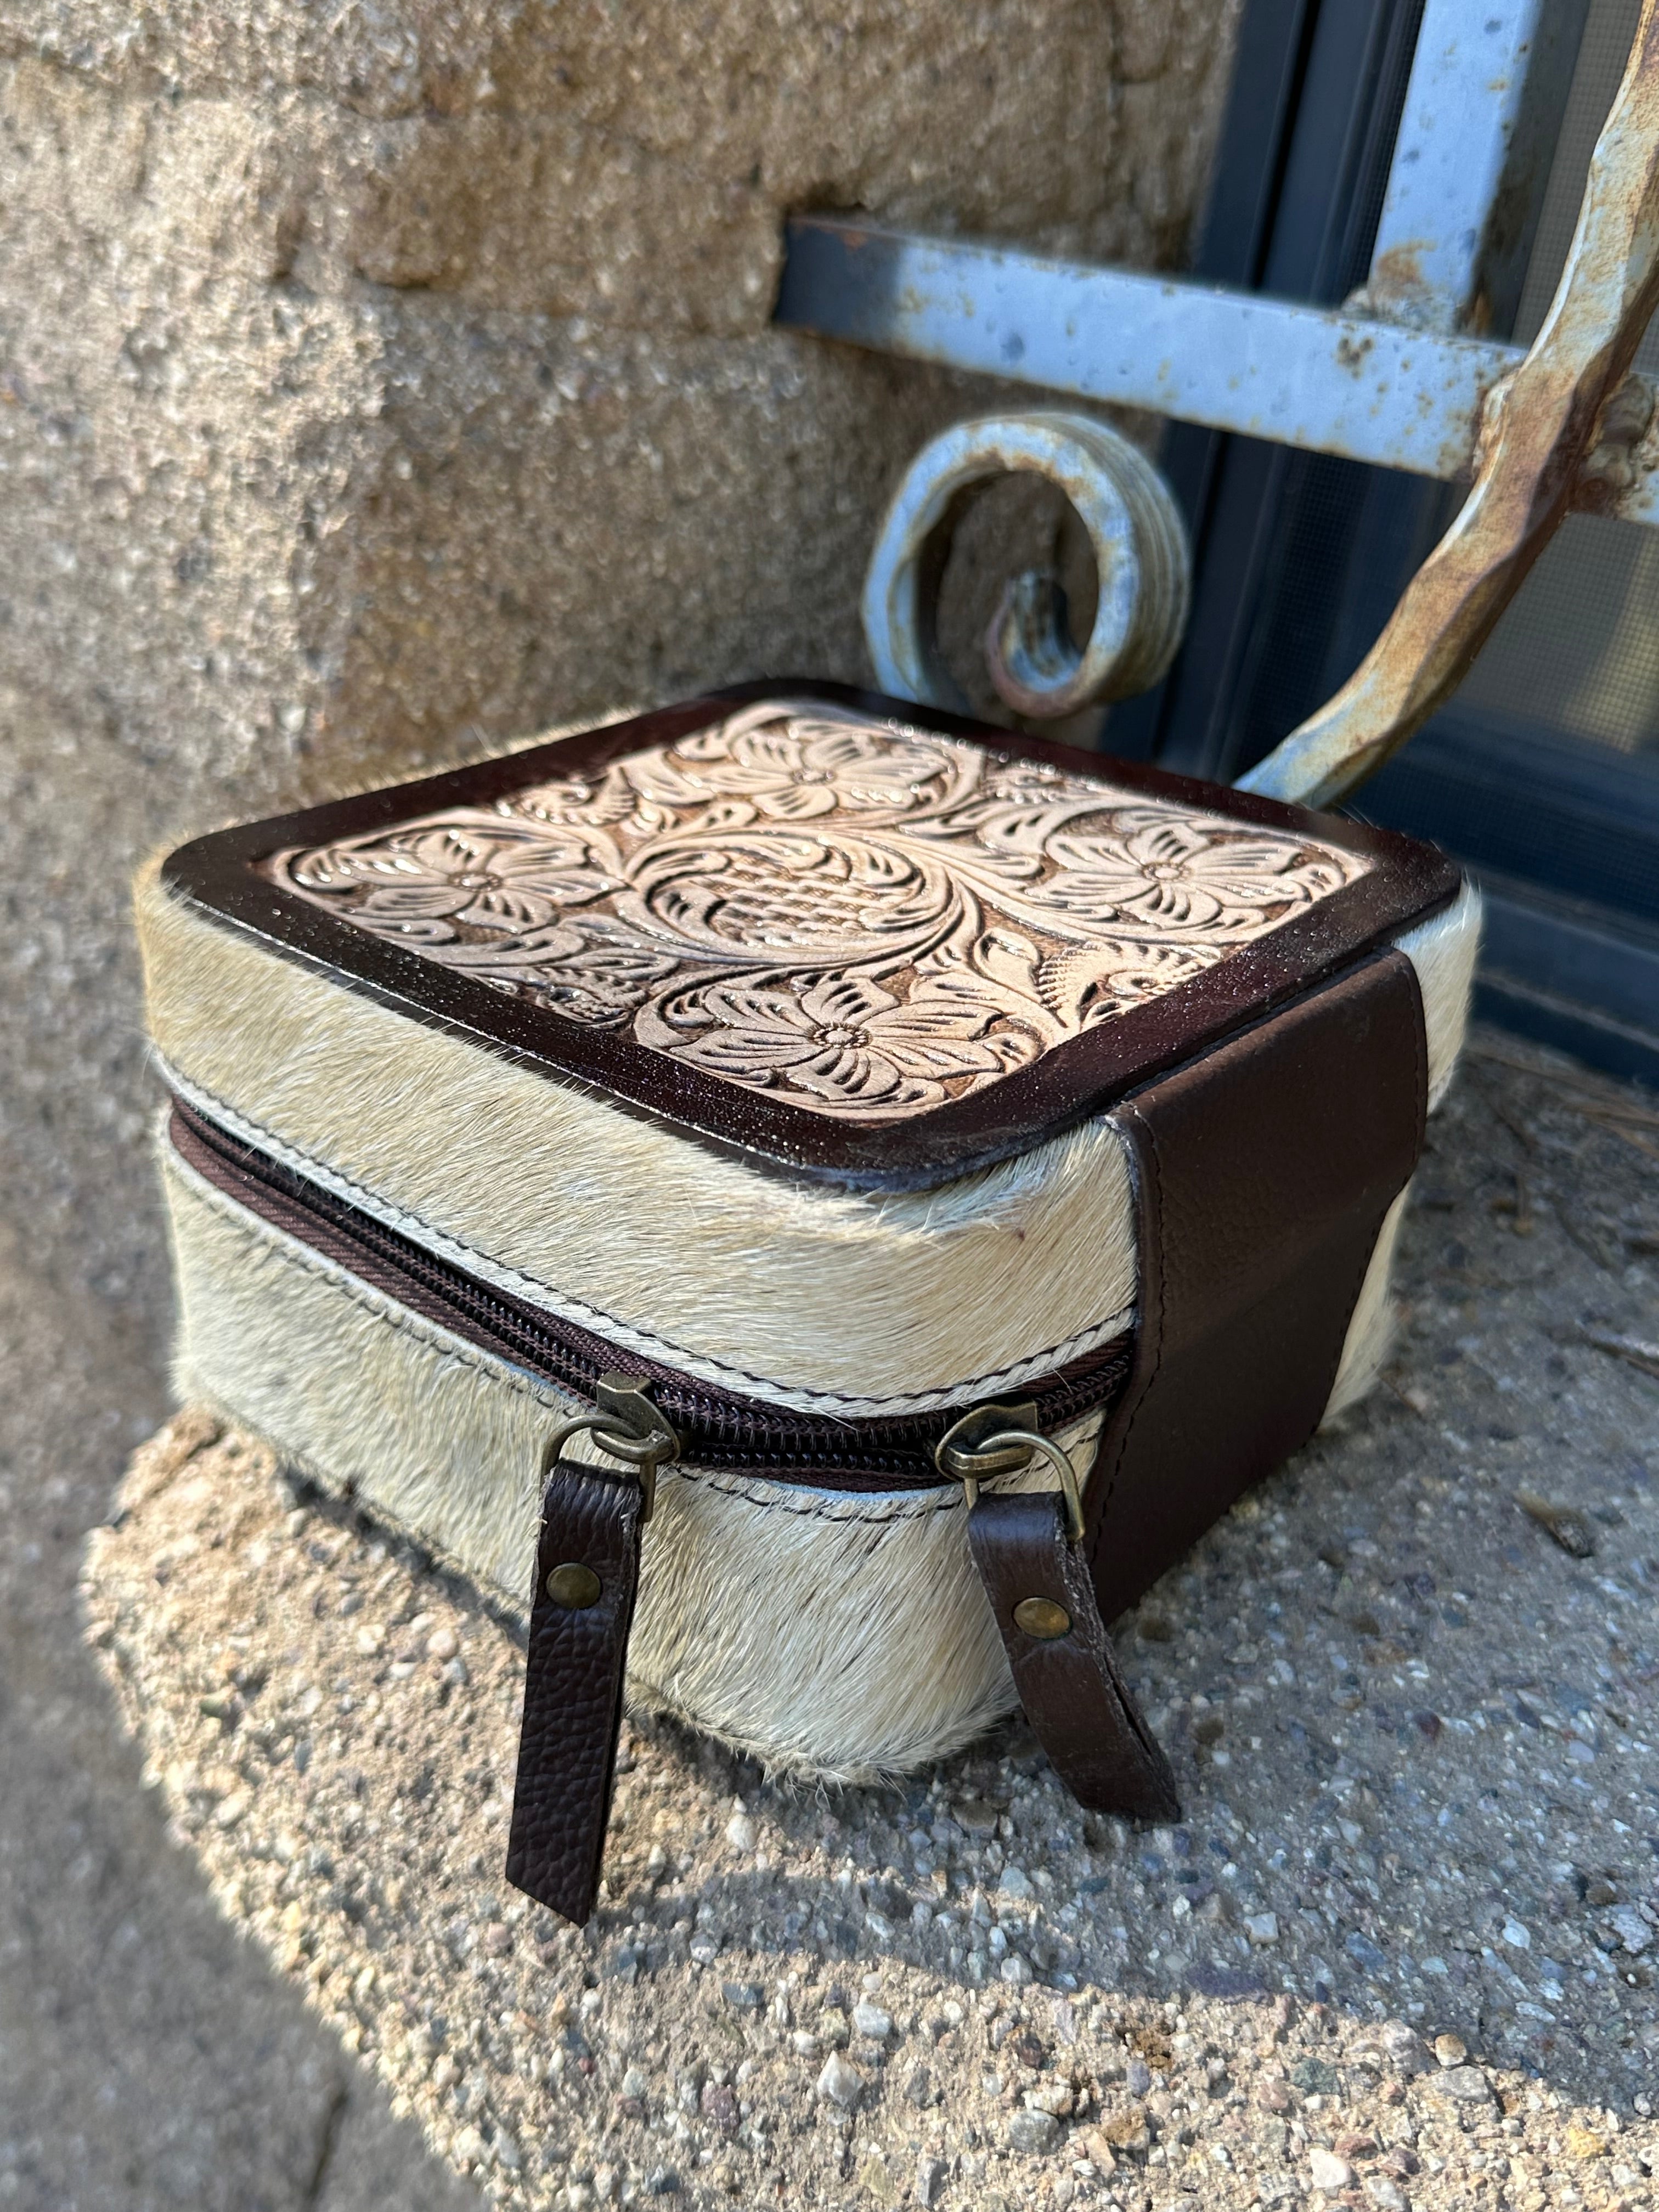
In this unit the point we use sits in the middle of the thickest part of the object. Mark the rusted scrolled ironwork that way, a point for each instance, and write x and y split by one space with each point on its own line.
1564 429
1141 559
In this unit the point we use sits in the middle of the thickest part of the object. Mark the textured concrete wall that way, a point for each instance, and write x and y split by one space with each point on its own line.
378 382
375 382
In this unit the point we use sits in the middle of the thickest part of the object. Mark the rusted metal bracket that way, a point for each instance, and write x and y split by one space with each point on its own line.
1396 396
1569 427
1395 378
1398 377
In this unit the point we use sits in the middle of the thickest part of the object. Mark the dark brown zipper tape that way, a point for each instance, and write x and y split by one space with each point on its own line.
718 1429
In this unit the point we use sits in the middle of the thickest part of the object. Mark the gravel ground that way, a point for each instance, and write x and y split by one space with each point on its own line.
1399 1952
149 2061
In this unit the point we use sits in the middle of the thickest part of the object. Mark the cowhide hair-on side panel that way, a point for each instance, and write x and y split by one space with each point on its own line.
782 1620
827 1298
858 1297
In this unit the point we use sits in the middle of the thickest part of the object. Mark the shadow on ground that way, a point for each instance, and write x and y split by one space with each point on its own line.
149 2058
1409 1687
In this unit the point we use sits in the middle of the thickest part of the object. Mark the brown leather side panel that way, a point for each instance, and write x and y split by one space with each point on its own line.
1263 1173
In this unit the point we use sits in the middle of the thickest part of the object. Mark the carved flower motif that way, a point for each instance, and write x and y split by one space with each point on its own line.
1177 874
849 1040
506 876
1022 902
799 770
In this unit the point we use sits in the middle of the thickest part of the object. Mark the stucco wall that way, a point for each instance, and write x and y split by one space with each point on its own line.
376 382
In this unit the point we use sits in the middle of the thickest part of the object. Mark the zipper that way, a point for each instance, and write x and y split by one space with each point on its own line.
715 1428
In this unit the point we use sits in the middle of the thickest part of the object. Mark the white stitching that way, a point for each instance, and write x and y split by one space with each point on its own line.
435 1341
621 1333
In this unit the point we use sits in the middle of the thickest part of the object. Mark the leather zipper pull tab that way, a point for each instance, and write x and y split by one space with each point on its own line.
587 1571
1079 1706
1028 1547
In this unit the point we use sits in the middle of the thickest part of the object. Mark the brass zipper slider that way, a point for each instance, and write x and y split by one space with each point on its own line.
995 1440
627 1424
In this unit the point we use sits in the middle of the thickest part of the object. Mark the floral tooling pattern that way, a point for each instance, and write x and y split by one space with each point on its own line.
867 919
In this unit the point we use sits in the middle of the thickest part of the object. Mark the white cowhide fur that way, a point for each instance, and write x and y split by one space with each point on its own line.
783 1619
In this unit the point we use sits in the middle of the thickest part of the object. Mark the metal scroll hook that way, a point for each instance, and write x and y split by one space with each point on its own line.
1141 560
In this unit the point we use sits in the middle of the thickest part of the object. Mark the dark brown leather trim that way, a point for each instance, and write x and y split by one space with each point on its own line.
1084 1076
573 1690
1076 1700
1262 1173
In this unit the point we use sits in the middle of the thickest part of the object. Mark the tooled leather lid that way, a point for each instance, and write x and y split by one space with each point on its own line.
873 944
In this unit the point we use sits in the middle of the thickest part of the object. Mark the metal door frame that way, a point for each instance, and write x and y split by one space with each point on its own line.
1278 372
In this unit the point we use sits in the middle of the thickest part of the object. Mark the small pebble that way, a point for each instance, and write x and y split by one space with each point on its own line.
1053 2096
1464 2084
978 1818
1128 2129
1033 2131
443 1643
841 2082
1402 2047
1450 2049
1099 2154
1631 1929
1565 1523
1328 2172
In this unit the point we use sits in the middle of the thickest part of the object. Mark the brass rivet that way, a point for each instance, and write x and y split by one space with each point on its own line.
574 1586
1041 1618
